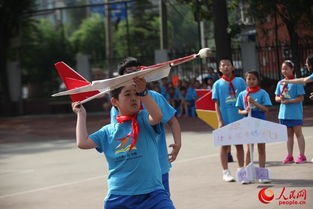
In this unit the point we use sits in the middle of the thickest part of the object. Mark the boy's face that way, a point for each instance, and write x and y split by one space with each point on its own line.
226 67
286 70
210 81
128 102
251 80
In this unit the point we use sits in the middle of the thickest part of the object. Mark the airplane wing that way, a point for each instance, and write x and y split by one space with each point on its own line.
73 80
150 74
250 130
96 88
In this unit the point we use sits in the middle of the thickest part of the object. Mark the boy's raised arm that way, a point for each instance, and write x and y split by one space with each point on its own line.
155 114
82 140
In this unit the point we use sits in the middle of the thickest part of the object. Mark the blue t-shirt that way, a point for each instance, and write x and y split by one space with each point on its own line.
176 95
292 111
220 92
311 76
191 95
168 112
130 172
260 97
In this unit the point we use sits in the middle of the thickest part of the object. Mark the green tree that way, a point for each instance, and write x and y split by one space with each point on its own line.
293 13
90 39
143 32
217 10
14 15
41 49
76 16
182 28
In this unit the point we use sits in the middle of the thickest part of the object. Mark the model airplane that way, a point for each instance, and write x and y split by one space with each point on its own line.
78 87
250 130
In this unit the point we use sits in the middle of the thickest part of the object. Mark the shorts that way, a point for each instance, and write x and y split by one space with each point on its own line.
158 199
290 123
165 183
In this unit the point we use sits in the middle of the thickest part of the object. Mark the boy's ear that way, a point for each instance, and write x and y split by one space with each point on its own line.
114 101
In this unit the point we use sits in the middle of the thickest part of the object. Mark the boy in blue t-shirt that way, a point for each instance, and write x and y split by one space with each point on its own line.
224 93
129 65
290 97
130 148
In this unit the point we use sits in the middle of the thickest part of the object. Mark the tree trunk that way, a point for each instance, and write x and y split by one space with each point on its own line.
221 36
3 72
294 44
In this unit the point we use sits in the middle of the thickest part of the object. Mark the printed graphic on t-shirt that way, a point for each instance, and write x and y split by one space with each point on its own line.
286 94
231 98
128 156
124 145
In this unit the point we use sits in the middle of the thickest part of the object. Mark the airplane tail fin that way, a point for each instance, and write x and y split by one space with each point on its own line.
73 80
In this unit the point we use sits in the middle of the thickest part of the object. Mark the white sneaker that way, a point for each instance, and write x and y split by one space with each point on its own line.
264 181
227 176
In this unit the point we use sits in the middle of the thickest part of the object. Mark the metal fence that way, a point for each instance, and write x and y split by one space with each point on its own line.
270 58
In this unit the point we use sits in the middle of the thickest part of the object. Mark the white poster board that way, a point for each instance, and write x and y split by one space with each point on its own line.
250 130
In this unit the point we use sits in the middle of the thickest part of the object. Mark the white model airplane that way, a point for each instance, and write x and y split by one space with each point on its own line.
250 130
77 86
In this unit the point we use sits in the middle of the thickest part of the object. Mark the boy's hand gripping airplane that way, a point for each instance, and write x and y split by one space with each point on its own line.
81 90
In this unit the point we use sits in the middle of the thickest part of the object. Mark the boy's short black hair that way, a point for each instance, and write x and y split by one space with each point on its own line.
256 73
127 62
226 58
114 93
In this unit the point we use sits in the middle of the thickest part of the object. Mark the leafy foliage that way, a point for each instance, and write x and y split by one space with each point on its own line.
14 16
143 33
90 39
41 48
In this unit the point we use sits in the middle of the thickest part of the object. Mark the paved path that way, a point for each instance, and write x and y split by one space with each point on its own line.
42 168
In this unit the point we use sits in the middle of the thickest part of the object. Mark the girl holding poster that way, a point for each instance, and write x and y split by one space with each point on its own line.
257 101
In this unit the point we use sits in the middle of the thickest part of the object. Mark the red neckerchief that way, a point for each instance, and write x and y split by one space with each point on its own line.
284 90
232 91
135 127
249 91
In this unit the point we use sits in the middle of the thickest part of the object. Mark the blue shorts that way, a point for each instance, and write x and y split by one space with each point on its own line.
290 123
165 183
158 199
258 114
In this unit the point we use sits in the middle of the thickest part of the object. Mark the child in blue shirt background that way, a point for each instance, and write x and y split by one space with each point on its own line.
130 148
224 93
308 79
291 111
257 101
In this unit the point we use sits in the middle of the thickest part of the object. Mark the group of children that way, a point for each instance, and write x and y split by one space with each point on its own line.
134 142
235 98
183 95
